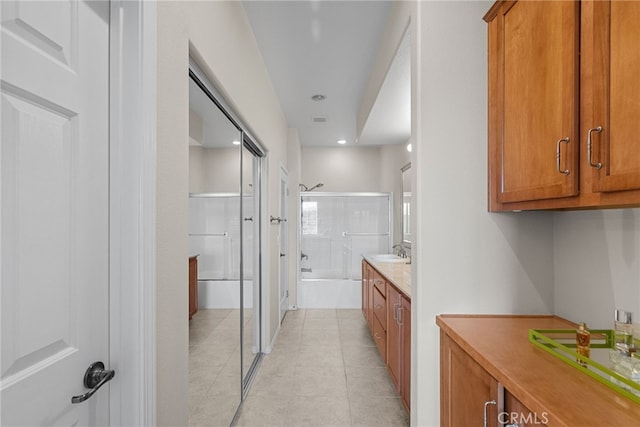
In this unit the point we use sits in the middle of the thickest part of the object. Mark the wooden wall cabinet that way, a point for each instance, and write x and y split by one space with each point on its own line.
388 313
563 129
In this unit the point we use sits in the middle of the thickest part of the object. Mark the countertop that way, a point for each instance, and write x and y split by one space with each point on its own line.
542 382
396 273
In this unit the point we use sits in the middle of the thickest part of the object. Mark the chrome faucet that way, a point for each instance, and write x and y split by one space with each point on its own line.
401 251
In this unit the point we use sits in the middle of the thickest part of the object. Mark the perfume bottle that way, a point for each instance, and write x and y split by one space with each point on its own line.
583 341
624 332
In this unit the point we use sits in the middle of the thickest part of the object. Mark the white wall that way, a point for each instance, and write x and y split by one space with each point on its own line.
597 265
341 168
219 35
466 260
214 170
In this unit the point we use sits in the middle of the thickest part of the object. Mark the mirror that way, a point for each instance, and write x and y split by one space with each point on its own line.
224 232
406 205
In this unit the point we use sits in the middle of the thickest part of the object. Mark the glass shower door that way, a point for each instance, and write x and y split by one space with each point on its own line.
337 228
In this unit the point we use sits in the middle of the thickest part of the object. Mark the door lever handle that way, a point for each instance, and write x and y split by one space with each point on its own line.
95 377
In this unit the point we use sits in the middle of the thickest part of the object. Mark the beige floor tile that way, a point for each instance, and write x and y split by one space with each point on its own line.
370 411
321 356
349 313
320 314
360 356
273 385
279 364
216 411
324 370
318 411
321 323
369 381
263 411
357 337
315 381
320 338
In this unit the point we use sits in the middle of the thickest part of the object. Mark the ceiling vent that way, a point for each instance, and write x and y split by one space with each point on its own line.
319 119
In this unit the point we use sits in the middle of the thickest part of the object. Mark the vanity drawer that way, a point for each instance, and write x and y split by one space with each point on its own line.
380 307
379 283
380 338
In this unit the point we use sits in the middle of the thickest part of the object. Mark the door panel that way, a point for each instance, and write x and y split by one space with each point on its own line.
615 104
539 93
284 240
54 232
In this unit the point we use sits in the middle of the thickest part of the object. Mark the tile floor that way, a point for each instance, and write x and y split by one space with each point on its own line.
324 371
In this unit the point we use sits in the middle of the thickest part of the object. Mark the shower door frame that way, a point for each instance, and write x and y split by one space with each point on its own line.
339 194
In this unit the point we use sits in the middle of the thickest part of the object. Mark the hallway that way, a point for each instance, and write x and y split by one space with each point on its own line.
324 371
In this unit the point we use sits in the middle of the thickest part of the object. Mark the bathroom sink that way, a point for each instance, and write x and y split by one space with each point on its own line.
388 258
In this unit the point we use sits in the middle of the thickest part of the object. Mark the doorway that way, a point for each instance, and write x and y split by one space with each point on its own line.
283 236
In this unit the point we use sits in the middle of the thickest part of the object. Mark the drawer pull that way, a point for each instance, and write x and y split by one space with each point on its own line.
560 141
589 150
378 306
377 336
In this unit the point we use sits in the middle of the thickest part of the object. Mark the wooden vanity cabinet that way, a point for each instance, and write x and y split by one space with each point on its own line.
193 286
560 75
388 313
405 354
394 336
366 269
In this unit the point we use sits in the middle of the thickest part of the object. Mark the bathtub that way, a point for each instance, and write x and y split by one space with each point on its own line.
329 293
223 294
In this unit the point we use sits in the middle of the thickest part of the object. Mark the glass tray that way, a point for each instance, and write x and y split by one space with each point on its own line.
562 343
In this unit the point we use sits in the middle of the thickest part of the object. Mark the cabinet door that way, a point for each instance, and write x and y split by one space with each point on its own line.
365 280
393 335
533 97
465 387
516 414
612 36
405 376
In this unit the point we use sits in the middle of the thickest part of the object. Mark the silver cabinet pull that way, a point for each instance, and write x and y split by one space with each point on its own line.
560 141
94 378
490 402
589 145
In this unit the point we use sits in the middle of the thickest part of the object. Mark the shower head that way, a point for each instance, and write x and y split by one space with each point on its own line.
305 188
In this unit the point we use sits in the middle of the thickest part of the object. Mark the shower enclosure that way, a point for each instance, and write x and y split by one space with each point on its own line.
336 230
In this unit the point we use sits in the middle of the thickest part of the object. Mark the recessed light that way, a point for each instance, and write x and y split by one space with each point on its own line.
342 141
318 97
236 142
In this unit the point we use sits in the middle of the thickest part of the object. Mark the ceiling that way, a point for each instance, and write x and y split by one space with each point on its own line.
328 47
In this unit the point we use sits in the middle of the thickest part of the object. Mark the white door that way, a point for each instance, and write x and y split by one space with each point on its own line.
54 168
284 236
